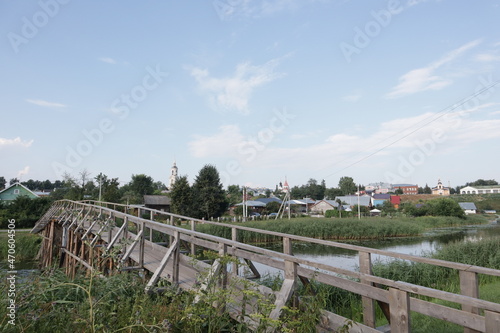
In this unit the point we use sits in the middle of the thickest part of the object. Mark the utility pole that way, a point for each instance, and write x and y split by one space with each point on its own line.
359 209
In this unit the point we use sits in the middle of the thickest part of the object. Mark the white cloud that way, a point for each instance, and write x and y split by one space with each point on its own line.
422 79
23 172
40 102
234 92
108 60
487 57
16 142
224 142
439 133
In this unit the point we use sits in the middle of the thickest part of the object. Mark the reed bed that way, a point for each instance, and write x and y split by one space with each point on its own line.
339 229
27 246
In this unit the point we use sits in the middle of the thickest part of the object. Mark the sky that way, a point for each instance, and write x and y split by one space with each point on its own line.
380 91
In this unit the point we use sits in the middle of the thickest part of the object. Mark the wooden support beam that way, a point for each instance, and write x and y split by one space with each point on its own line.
131 247
156 276
115 238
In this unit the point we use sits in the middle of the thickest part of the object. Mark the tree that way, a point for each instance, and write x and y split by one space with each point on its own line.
182 197
333 192
208 194
482 182
108 188
398 191
347 185
159 187
427 189
445 207
141 185
12 181
234 194
2 183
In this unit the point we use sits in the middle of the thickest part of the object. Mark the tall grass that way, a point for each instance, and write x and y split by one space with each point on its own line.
339 229
26 246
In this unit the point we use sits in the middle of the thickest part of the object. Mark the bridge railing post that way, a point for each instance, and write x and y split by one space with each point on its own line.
365 267
399 302
223 277
193 246
469 286
234 238
141 244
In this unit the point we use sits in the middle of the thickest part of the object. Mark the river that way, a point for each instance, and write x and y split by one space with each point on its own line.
417 246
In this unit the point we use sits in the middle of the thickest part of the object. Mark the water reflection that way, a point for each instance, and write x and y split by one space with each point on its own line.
418 246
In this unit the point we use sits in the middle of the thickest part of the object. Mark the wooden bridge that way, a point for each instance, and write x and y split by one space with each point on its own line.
82 235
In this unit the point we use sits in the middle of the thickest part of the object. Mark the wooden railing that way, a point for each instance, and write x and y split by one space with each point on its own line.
397 298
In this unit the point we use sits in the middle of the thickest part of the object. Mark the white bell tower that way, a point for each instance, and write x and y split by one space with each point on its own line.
173 176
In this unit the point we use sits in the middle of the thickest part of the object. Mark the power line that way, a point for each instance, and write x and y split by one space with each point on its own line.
435 117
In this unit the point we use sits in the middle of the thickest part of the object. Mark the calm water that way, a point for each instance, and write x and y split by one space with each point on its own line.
414 246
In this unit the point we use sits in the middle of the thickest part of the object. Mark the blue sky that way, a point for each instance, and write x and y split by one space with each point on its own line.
392 91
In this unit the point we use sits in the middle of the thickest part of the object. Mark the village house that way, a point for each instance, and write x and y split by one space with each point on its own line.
16 190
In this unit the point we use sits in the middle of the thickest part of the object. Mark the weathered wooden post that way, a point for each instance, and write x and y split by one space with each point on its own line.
176 257
141 244
288 286
193 246
399 302
365 267
492 321
234 238
469 286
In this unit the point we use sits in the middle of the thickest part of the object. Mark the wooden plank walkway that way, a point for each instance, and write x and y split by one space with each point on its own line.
67 222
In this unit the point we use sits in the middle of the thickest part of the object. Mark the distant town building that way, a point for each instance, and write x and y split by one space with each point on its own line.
406 188
379 188
440 189
480 189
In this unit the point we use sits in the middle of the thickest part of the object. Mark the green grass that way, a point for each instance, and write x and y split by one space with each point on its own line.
26 245
340 229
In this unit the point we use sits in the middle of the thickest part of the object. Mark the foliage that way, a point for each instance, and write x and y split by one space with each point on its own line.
482 182
24 210
208 195
234 194
109 188
347 185
435 207
27 246
182 197
311 190
272 207
332 193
